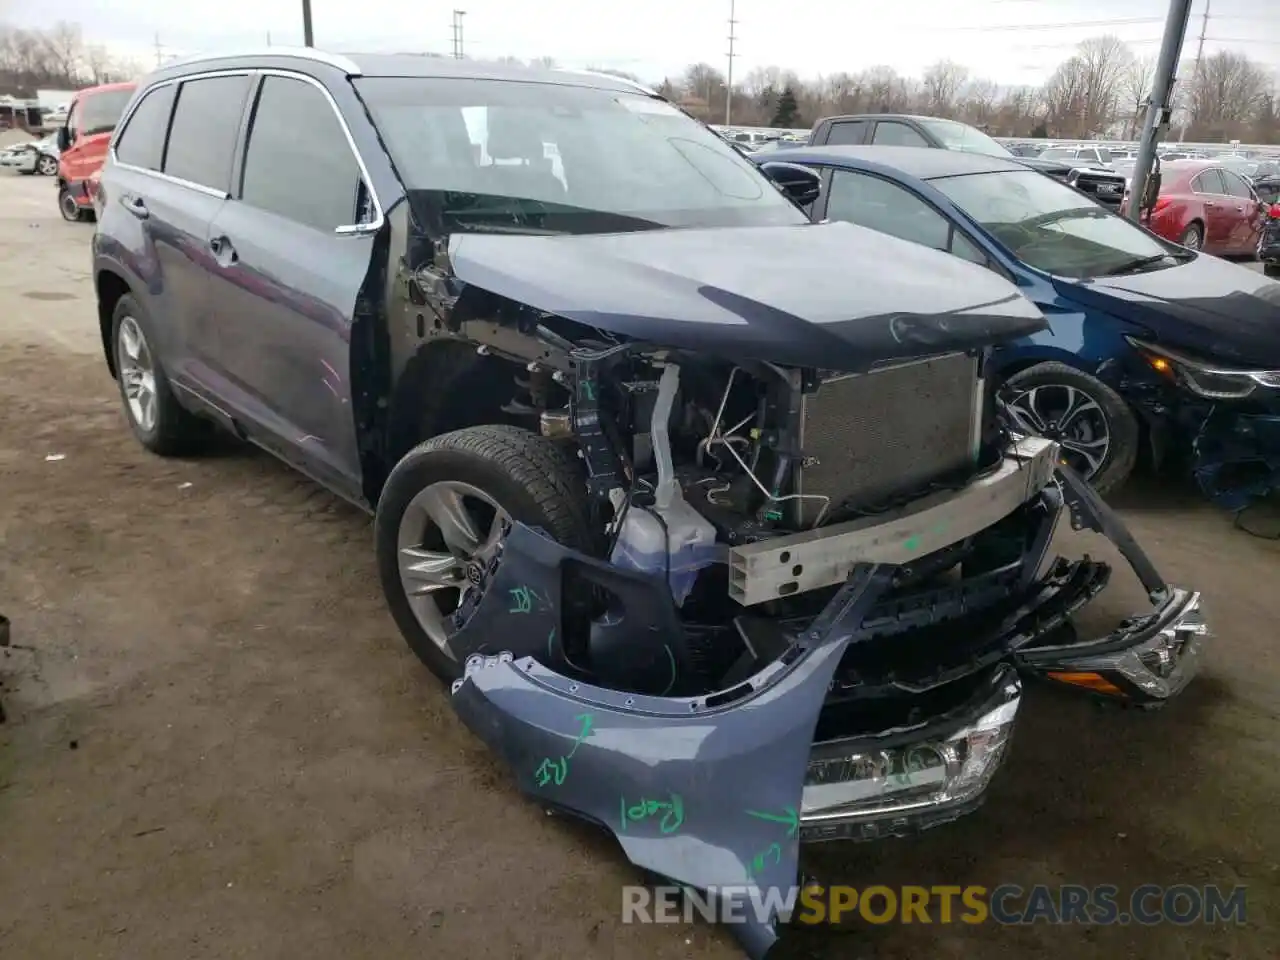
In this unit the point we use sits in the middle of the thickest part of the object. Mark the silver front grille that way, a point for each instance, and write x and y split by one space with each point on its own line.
871 438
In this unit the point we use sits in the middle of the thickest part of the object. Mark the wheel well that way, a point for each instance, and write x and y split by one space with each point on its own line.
445 386
111 287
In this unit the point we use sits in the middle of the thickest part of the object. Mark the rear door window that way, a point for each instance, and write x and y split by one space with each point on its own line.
141 142
1235 186
298 162
891 133
872 202
846 132
202 137
1210 182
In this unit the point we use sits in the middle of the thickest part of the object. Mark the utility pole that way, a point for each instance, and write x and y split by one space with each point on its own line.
159 51
1204 28
308 40
728 80
458 50
1159 106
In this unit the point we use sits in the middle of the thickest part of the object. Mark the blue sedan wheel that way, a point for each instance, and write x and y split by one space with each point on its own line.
1096 428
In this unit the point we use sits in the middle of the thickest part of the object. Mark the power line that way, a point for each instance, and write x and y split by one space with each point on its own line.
1073 25
1270 43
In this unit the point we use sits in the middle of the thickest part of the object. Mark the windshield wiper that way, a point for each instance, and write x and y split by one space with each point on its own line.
1136 264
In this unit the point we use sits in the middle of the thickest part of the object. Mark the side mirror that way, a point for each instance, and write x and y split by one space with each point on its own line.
801 184
64 138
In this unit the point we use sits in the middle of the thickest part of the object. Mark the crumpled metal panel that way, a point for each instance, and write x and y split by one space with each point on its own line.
705 793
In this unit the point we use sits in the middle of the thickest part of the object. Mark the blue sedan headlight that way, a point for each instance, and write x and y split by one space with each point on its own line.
1205 378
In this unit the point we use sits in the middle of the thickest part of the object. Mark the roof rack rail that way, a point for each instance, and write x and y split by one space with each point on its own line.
635 84
345 64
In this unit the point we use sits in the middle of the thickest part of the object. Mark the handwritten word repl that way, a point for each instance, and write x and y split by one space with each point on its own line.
555 770
671 811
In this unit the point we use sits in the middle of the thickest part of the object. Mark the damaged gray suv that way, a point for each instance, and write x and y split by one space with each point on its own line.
706 514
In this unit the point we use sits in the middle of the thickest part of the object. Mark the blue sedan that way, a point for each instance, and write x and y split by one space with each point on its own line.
1152 348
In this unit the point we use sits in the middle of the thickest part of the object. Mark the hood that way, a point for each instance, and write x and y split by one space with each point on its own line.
1055 168
828 295
1207 306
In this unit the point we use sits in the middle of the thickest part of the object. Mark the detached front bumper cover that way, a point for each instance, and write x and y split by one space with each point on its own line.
717 791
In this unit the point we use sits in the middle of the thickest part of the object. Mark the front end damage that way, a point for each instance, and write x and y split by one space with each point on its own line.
834 735
822 576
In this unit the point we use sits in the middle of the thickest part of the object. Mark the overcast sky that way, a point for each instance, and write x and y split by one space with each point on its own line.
1010 41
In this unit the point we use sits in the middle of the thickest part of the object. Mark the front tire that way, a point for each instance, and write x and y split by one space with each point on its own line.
156 418
68 207
46 166
1097 429
442 509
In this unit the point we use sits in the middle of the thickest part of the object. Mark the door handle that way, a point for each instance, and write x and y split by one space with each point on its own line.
136 205
223 251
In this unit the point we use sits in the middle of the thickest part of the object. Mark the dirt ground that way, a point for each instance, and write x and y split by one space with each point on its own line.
218 746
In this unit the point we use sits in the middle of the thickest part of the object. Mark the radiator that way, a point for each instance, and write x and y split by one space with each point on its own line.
871 438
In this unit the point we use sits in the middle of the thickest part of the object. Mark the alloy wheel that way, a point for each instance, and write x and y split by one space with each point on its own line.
1193 239
46 166
137 374
1072 418
448 534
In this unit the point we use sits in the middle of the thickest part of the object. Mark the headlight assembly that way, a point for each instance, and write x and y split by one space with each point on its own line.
1205 378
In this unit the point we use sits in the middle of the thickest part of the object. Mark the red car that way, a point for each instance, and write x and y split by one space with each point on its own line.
83 142
1206 207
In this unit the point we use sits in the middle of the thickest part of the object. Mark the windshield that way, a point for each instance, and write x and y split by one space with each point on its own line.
961 136
100 112
1052 227
544 157
1058 153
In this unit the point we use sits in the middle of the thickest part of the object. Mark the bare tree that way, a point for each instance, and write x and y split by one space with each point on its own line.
978 102
66 48
543 63
942 82
1135 87
704 90
1063 96
1225 95
1103 64
1099 84
97 63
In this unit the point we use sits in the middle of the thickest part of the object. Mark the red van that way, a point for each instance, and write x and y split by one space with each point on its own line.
83 144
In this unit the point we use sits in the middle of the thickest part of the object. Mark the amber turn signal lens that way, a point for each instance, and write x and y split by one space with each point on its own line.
1090 681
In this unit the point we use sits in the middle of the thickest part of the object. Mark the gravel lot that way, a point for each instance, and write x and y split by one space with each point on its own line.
218 746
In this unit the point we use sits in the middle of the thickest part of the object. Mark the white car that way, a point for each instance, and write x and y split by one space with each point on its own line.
37 156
